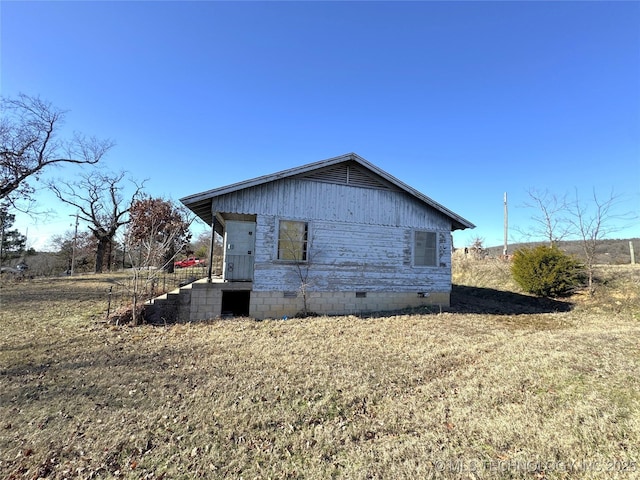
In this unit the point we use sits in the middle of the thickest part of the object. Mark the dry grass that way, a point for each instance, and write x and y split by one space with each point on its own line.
551 394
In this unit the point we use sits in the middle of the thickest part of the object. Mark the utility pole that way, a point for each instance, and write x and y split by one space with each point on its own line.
506 226
73 250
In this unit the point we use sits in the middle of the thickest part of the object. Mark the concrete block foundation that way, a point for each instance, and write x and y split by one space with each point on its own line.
202 300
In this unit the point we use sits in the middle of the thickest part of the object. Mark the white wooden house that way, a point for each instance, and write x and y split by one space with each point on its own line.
338 236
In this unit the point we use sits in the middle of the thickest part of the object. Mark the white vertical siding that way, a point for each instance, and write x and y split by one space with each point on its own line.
304 199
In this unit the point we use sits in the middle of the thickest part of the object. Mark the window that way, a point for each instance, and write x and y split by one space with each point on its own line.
424 249
292 240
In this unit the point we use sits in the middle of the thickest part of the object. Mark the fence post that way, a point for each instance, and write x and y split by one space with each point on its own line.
109 302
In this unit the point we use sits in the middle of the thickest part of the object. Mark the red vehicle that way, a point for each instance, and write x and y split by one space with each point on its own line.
189 262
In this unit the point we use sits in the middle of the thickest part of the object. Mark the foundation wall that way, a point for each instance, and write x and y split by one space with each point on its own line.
206 302
276 305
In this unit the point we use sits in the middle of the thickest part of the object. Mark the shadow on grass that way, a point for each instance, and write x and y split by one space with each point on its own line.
465 299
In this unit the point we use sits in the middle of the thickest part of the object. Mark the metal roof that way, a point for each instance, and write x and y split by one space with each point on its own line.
200 203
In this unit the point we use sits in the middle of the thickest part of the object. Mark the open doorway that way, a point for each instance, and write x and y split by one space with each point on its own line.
235 303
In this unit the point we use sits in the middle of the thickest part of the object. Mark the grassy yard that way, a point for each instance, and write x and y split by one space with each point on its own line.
500 386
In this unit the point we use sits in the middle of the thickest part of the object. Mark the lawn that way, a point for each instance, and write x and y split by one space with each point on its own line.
499 386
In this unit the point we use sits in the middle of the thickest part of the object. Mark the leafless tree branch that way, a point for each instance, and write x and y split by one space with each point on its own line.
29 144
550 222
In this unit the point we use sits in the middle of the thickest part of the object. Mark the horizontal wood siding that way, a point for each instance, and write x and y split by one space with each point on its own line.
306 199
345 256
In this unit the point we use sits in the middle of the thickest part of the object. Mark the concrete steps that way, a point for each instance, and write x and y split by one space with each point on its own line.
171 307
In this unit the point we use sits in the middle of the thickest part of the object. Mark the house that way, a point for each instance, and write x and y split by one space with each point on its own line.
338 236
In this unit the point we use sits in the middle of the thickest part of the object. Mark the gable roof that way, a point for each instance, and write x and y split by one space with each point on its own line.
365 175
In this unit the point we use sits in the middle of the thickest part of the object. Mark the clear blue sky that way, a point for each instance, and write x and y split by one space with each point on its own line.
461 100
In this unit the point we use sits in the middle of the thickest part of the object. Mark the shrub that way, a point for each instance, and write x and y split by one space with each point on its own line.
546 271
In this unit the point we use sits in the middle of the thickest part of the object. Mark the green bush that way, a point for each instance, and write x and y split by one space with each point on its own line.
546 271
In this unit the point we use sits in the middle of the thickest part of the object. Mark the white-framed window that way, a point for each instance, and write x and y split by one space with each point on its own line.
425 249
293 240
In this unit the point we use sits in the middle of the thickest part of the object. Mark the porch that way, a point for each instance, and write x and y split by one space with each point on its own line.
201 300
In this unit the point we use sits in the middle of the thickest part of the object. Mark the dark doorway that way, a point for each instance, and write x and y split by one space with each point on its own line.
235 303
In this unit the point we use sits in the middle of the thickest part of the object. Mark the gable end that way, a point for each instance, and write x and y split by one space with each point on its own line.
348 173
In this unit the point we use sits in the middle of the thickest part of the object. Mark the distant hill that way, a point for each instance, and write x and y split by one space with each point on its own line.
608 252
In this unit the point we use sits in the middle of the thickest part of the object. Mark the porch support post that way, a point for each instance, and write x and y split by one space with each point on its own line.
211 245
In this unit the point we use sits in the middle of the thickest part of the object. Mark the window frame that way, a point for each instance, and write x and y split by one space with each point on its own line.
305 243
414 248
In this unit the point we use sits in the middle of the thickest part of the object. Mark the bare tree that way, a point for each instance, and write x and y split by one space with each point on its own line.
294 246
550 222
29 143
100 202
592 223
